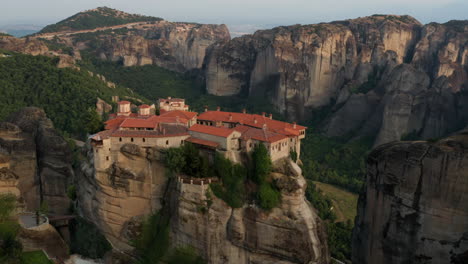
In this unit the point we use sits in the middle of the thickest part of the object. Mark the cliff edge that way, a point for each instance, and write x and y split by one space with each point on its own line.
415 206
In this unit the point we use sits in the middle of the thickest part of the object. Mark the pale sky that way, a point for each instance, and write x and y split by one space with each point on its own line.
266 12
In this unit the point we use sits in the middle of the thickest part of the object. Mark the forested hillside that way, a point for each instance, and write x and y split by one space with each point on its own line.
67 95
99 17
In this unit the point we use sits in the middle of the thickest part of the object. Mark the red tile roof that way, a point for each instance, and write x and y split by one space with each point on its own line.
114 123
124 102
165 130
184 114
210 130
144 106
138 123
203 142
253 120
259 134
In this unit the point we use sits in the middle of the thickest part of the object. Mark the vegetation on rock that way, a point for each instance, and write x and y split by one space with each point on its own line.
87 240
10 247
100 17
66 95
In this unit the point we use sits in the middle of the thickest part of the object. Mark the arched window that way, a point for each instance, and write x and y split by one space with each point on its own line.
131 139
167 142
120 139
144 140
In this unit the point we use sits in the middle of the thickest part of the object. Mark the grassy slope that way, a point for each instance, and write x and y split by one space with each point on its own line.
344 202
34 257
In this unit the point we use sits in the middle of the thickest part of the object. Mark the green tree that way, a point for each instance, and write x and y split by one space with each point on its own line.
175 159
262 164
93 121
185 255
7 206
268 196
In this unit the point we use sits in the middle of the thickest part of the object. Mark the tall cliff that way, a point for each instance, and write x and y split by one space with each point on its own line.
118 196
135 42
382 75
291 233
35 161
415 205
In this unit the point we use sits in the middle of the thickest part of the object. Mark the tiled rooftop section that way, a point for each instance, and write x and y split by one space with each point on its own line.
180 113
210 130
253 120
165 130
203 142
260 134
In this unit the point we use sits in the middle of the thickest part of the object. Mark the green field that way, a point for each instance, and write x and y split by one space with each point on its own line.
35 257
344 202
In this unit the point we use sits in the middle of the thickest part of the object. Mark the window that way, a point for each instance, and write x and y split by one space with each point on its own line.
107 158
182 142
97 150
131 139
144 140
120 139
167 142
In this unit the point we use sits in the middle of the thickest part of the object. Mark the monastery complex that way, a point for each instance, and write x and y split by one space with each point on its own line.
228 133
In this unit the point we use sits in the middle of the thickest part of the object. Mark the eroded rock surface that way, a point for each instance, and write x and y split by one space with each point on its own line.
292 233
415 207
36 160
382 75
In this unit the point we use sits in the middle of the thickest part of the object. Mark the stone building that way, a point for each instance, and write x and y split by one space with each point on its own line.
171 104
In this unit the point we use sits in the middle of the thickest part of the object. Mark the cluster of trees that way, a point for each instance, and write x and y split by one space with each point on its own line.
234 177
339 233
103 17
10 247
335 161
87 240
68 96
152 245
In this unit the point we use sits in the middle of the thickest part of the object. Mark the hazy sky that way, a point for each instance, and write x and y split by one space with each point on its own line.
272 12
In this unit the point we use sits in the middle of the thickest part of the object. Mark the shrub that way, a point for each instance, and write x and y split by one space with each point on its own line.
7 206
153 242
262 164
87 240
269 197
175 159
185 255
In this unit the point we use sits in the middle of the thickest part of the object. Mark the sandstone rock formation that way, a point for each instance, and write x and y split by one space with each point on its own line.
383 75
171 45
35 47
37 159
292 233
415 207
117 197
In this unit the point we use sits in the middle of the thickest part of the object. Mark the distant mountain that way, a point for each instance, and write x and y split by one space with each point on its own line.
20 30
95 18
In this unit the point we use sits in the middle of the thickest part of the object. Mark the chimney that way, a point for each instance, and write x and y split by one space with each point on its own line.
230 117
218 108
206 108
264 126
244 111
169 98
263 114
294 125
255 120
270 116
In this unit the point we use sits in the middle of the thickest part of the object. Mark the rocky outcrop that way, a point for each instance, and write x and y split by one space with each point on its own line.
383 76
171 45
292 233
116 198
415 205
35 47
38 158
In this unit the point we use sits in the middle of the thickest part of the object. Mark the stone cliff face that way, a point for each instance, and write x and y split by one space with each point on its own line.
171 45
292 233
415 207
36 47
36 161
117 198
379 74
